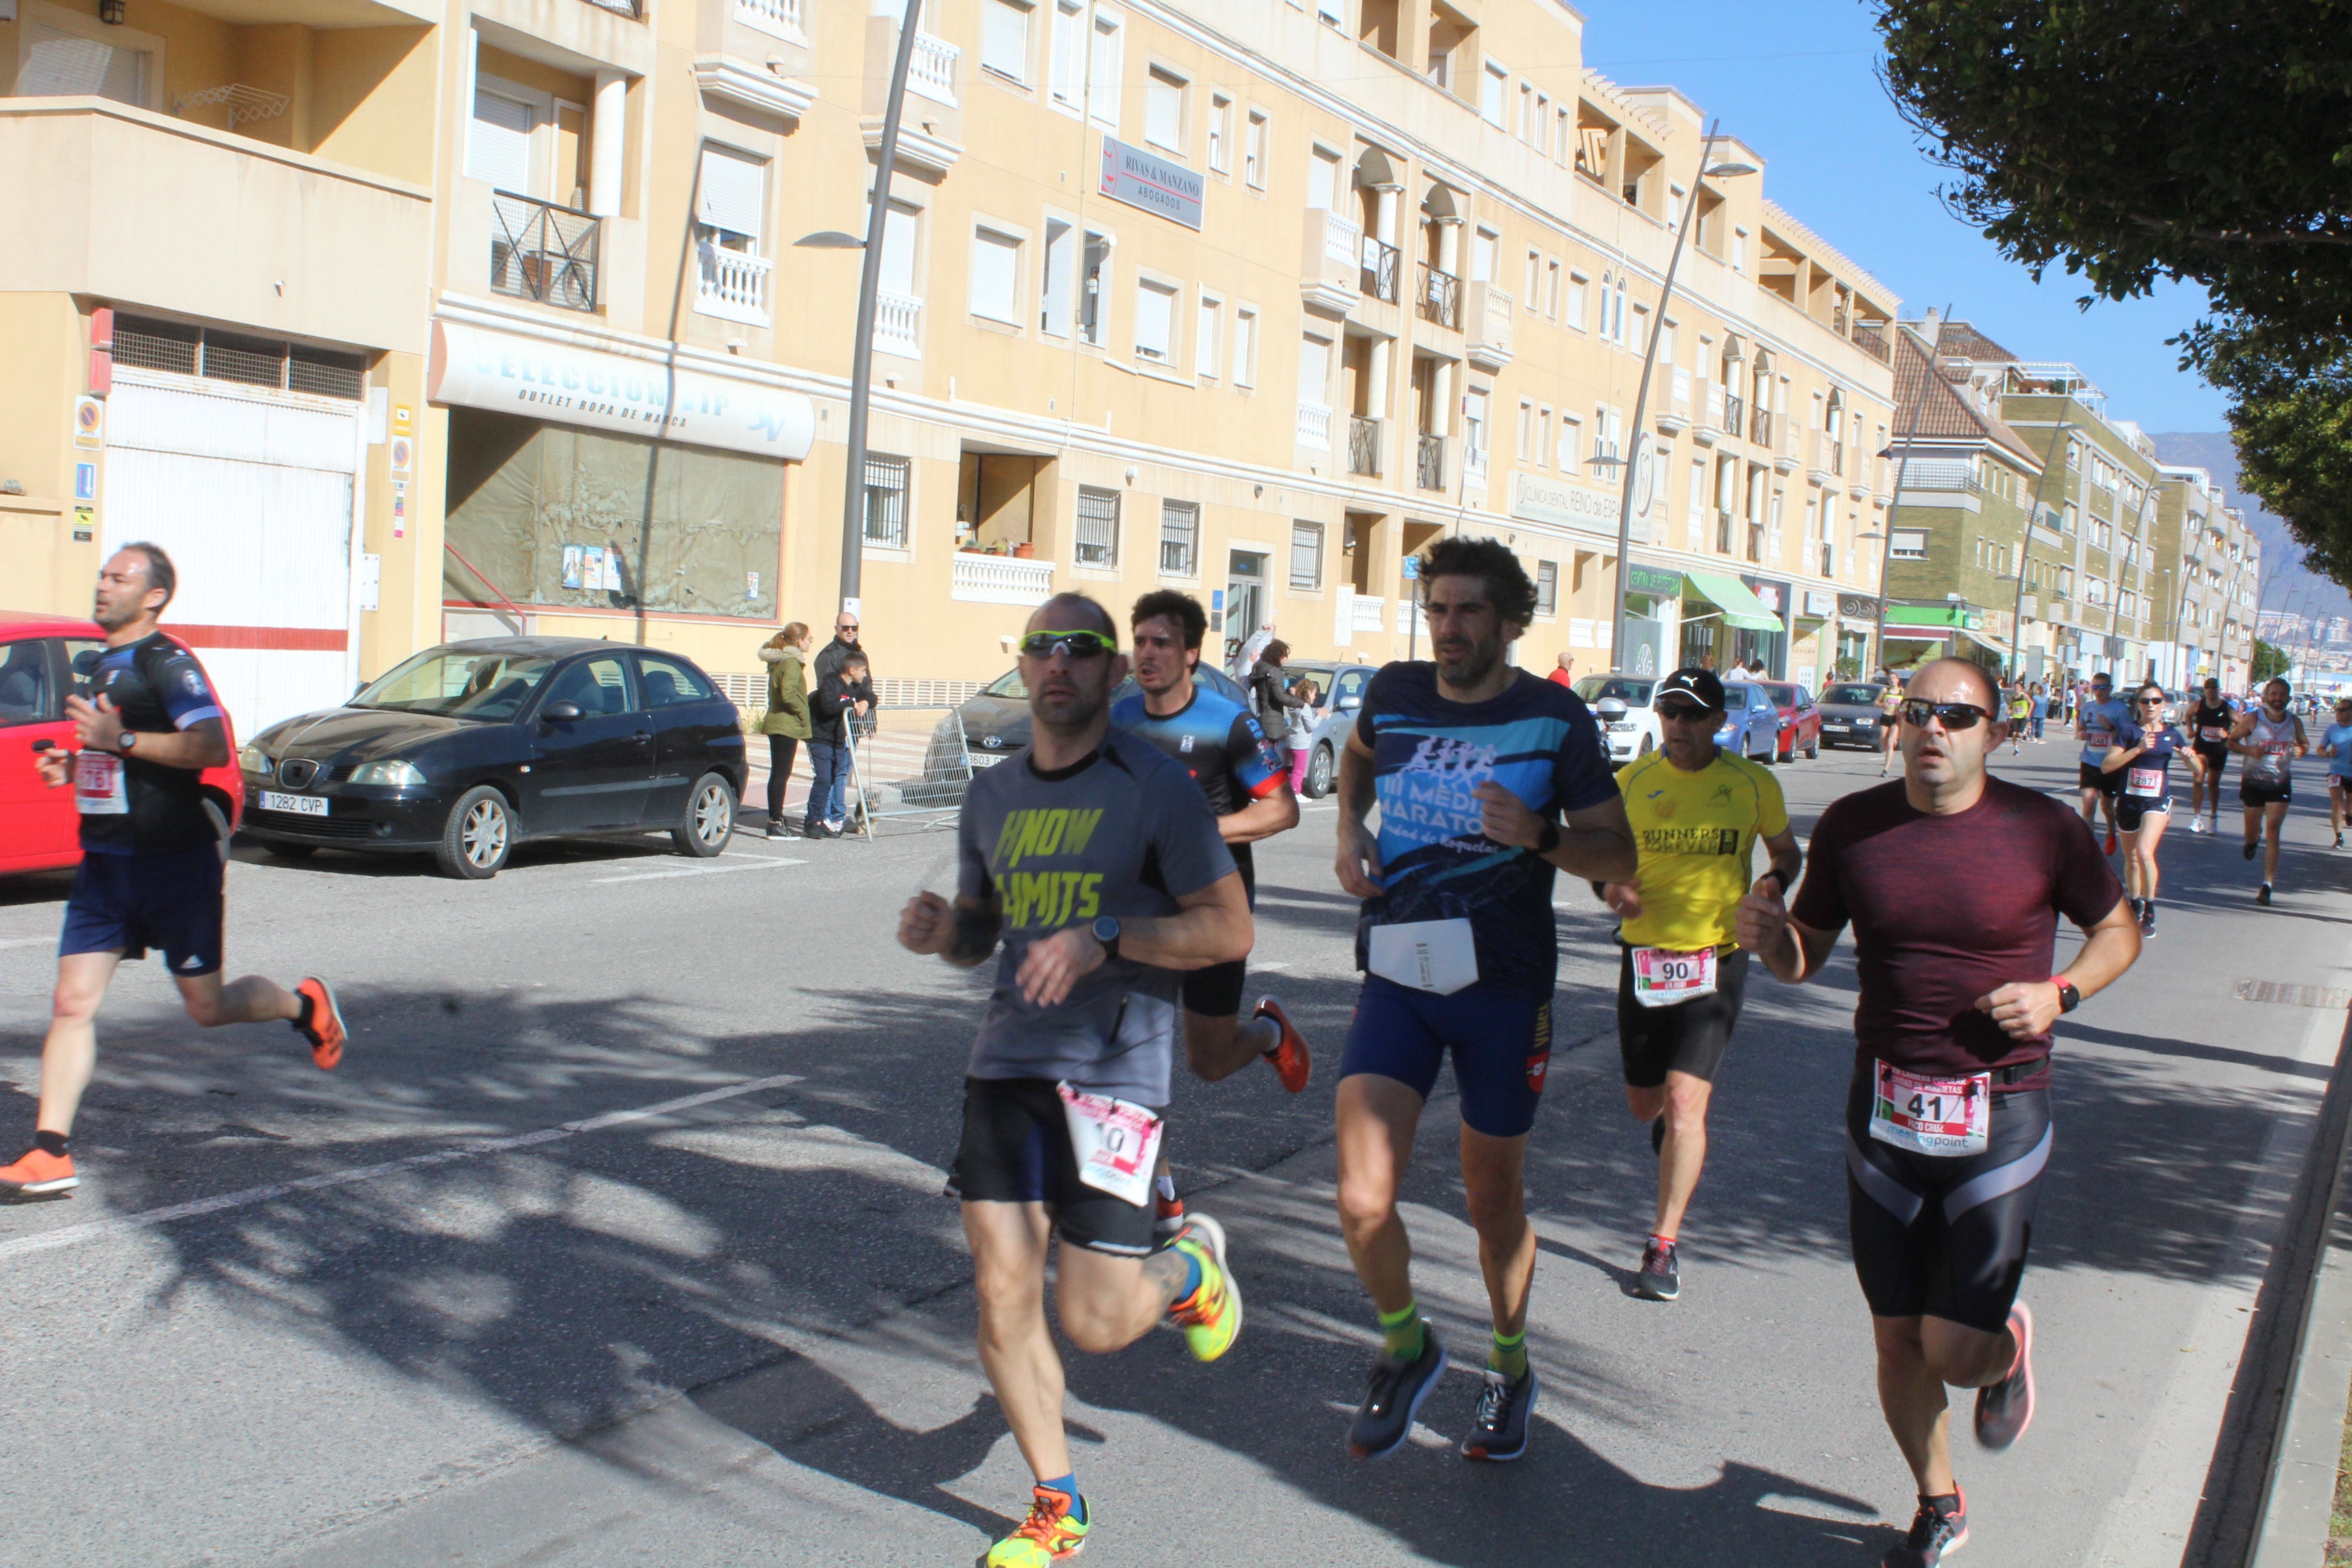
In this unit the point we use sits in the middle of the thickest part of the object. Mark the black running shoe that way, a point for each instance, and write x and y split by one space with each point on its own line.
1660 1279
1394 1398
2264 895
1940 1526
2148 917
1498 1432
2005 1409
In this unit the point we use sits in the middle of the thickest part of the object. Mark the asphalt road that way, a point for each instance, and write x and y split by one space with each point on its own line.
464 1301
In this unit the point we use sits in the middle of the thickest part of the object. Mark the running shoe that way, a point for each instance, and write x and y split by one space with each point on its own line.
1211 1315
2339 841
2196 825
1660 1279
1052 1532
2264 895
1291 1060
2005 1409
1168 1221
38 1172
1499 1432
1940 1526
324 1026
1393 1399
2148 917
2112 840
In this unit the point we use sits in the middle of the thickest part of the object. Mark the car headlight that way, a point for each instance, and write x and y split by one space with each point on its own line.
399 776
253 759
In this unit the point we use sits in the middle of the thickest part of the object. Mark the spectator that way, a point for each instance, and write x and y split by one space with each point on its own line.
1755 668
1253 650
786 723
843 696
1303 720
829 660
1565 674
1271 698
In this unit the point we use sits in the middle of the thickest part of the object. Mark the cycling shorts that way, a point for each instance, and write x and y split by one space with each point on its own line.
129 903
1216 991
1940 1235
2253 793
2130 808
1017 1150
1689 1037
1500 1042
2090 775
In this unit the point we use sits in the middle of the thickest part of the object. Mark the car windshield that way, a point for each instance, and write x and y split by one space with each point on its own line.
1009 684
1735 695
1632 693
459 683
1852 696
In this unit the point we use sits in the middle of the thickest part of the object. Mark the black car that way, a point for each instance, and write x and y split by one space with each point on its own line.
467 748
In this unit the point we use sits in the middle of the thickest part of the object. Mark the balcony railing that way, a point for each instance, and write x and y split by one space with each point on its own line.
543 252
1429 462
898 324
1379 266
932 72
1314 425
1871 340
1368 613
1001 579
1735 414
778 17
1837 457
1441 297
1363 446
732 285
620 7
1761 427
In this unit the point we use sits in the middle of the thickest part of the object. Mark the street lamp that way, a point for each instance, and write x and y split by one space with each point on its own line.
1631 463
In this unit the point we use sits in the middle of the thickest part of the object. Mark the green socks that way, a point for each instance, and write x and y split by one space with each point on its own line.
1509 1356
1403 1330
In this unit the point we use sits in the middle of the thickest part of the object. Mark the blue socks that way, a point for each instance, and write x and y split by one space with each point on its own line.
1191 1273
1068 1486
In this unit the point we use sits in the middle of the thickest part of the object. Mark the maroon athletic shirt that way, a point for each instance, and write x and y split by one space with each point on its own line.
1948 908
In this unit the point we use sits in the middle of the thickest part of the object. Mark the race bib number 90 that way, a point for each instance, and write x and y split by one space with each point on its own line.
1117 1143
98 785
1945 1116
1664 976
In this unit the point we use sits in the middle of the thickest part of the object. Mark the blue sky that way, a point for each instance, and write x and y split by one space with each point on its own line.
1794 80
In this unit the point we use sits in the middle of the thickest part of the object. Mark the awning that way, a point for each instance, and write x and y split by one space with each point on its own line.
1990 644
1738 602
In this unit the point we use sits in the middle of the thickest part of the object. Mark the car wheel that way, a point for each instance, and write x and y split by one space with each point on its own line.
1318 774
1813 752
479 836
709 818
1645 747
291 851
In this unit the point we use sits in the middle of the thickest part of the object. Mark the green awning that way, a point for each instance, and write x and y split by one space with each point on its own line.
1738 602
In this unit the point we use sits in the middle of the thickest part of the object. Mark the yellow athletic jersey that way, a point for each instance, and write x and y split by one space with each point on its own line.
1697 834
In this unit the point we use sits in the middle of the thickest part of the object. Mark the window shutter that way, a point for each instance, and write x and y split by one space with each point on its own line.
1005 39
994 265
500 149
1155 314
734 190
59 64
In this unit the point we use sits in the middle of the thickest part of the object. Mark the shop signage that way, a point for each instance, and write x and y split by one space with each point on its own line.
1566 505
1857 606
1146 180
1774 595
1819 603
476 368
1656 581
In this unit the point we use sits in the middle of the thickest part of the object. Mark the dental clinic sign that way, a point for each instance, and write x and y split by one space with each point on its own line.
473 367
1581 507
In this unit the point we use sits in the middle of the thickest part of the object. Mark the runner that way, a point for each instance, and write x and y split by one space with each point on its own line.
1489 779
2210 721
1097 862
2095 723
2336 747
1697 813
1953 881
2143 752
1888 701
2269 738
151 873
1219 742
2021 712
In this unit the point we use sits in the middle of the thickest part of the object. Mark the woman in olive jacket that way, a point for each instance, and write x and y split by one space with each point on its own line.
786 724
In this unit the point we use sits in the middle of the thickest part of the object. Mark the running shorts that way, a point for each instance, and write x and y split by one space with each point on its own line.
2338 781
1500 1042
1944 1236
1017 1150
1689 1037
1216 991
2216 754
2090 775
2129 809
129 903
2251 793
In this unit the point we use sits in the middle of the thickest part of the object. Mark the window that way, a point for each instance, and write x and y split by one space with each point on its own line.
1484 246
1571 442
1474 429
1532 295
898 251
1164 110
1322 177
1543 435
1576 284
1092 278
1551 289
1739 250
1098 527
1254 151
1179 538
1692 524
1306 555
1527 111
885 502
1547 587
1909 544
1209 341
497 150
669 682
1526 451
1315 371
1058 288
1332 12
732 193
1221 133
1004 38
59 64
1108 60
1608 431
1069 54
1244 347
1490 94
996 276
1155 321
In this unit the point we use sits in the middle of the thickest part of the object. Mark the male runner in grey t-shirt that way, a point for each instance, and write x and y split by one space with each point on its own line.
1096 859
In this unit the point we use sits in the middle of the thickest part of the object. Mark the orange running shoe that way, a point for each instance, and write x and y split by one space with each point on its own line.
38 1172
1292 1061
1056 1529
325 1029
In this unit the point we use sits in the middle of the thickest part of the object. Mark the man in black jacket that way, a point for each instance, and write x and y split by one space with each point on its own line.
837 715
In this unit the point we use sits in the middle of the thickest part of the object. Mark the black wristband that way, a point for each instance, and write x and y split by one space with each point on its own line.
1549 840
1777 874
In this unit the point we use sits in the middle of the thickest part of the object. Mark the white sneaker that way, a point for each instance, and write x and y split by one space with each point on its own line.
2196 825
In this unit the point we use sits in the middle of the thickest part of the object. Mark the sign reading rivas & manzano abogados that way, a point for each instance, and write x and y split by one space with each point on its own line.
1146 180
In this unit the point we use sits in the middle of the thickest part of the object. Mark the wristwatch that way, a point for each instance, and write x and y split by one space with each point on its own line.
1549 839
1106 932
129 738
2068 997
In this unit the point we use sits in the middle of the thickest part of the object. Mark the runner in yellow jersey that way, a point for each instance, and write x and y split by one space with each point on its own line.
1697 813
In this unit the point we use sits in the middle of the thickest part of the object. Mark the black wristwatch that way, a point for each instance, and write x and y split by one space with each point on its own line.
1106 932
127 738
2068 997
1549 839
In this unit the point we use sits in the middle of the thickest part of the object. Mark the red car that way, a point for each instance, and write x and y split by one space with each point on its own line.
38 829
1800 720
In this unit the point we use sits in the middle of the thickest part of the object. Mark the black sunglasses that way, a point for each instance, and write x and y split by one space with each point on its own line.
1952 715
1685 712
2156 702
1073 645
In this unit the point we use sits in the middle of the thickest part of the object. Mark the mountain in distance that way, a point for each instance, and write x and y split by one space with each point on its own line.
2214 452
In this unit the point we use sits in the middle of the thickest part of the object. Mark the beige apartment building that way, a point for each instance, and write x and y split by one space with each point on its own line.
2219 559
404 320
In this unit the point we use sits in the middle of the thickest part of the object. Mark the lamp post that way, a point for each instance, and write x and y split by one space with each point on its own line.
1632 461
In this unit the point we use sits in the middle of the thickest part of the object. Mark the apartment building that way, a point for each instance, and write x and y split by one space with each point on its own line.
1254 298
2218 559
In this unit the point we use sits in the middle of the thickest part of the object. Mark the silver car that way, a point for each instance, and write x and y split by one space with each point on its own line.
1343 695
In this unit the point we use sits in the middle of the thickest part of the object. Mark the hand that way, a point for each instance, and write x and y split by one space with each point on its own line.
55 766
2023 1009
1623 899
927 925
1503 818
1360 859
1055 964
1763 917
96 726
858 708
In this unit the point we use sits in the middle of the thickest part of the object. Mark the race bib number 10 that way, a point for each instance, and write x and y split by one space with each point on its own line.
1947 1116
1662 977
1117 1143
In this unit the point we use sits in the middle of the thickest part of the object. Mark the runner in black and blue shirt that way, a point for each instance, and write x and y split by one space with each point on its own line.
2140 760
1489 781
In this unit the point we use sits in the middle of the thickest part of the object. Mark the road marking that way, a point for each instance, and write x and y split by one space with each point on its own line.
73 1234
758 862
8 942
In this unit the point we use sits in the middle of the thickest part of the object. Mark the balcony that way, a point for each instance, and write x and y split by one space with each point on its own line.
1490 314
1871 339
898 324
732 285
543 252
1376 277
1441 298
932 72
1000 580
777 18
618 7
1761 427
1328 268
1314 427
1735 416
1364 446
1368 613
1429 462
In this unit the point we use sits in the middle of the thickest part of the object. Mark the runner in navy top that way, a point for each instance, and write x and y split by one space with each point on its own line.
2209 721
1953 882
2143 748
1489 781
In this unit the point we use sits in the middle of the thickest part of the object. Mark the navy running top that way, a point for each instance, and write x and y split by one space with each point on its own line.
1219 742
2148 776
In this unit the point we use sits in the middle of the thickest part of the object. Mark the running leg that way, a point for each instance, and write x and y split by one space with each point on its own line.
2132 874
2274 818
1492 1172
1683 1152
1918 1358
2144 846
69 1054
252 1000
1377 1120
1106 1302
1219 1047
1008 1257
2091 798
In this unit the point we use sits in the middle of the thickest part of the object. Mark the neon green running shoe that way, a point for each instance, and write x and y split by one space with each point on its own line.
1052 1531
1211 1315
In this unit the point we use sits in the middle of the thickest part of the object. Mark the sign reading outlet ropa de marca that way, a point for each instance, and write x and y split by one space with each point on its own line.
1145 180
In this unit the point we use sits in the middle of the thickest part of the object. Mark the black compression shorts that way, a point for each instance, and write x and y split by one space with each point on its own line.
2090 775
2253 793
1689 1037
1944 1236
2216 754
1216 991
1017 1150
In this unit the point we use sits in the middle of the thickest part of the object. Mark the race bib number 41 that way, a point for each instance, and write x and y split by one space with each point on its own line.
98 785
1947 1116
1662 977
1117 1143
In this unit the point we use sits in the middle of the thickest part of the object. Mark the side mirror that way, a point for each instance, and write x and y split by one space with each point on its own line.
1610 708
560 713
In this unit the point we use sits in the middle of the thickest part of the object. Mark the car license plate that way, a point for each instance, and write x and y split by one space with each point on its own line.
986 759
299 804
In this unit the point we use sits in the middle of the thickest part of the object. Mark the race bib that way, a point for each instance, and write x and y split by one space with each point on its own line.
1117 1143
2145 782
1438 956
2213 733
1945 1115
1662 977
98 785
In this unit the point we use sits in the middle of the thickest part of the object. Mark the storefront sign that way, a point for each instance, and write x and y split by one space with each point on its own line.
1857 606
1146 180
1819 603
1656 581
1566 505
476 368
1773 596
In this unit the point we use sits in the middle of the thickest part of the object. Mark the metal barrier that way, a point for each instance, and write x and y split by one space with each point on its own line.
911 765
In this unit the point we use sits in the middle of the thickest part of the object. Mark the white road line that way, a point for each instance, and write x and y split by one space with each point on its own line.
73 1234
758 862
8 942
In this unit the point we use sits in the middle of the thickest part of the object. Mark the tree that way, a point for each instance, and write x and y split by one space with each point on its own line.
2269 659
2291 415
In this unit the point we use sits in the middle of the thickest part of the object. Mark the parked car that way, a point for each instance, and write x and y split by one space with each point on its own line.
1343 695
1800 721
470 748
1848 712
1751 723
40 829
1633 732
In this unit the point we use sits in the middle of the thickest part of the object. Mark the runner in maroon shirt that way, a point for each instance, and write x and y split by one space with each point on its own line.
1953 883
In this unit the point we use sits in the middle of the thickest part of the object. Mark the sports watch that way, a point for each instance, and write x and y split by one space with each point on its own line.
1106 932
129 738
2068 997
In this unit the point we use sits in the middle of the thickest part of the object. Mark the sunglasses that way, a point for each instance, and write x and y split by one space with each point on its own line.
2151 701
1951 715
1070 645
1683 712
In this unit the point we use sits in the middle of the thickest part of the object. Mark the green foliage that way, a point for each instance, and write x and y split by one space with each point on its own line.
2291 415
2269 659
